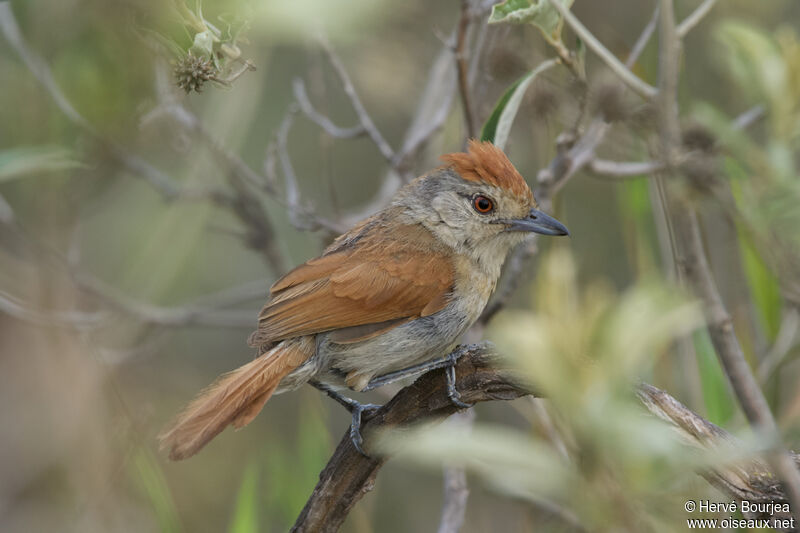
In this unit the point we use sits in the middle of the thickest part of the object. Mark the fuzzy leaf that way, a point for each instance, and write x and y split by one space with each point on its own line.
540 13
245 518
498 126
23 161
716 396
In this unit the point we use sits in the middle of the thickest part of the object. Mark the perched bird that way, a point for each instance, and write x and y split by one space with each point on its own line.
385 300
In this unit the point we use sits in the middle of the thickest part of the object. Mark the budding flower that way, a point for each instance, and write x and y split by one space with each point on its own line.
192 72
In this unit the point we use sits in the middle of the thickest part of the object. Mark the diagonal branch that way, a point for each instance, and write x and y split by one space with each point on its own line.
355 101
694 19
462 67
349 475
641 88
643 39
300 94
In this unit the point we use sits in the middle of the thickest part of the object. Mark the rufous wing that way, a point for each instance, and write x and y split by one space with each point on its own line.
361 290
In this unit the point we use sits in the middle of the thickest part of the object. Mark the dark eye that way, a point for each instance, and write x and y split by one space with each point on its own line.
482 204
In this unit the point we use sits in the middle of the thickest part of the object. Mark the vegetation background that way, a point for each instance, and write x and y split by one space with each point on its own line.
127 283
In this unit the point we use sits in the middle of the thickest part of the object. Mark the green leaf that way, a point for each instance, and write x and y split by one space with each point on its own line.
764 286
716 396
245 517
26 160
203 44
540 13
498 126
152 481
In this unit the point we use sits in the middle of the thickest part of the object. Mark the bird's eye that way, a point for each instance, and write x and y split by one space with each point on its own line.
482 204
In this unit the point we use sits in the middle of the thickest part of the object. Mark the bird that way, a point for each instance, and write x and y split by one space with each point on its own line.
385 300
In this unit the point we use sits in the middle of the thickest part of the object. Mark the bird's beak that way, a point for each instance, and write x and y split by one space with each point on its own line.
537 222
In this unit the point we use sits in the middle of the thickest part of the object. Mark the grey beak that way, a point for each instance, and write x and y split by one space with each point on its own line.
537 222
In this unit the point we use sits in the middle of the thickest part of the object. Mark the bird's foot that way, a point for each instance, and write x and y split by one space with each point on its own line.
450 374
355 424
355 408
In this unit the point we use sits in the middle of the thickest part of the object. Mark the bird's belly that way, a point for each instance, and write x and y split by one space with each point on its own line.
414 342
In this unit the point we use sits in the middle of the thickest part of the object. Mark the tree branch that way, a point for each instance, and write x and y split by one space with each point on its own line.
749 480
358 107
697 15
461 67
480 377
641 88
300 94
643 39
349 475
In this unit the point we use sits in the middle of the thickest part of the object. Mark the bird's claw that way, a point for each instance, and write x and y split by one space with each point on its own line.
355 424
450 373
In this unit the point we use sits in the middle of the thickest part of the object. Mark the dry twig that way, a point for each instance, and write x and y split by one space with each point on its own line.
641 88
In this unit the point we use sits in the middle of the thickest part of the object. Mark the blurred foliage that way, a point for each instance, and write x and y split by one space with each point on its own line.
584 351
245 517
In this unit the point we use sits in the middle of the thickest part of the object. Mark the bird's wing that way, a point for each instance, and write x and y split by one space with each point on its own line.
360 290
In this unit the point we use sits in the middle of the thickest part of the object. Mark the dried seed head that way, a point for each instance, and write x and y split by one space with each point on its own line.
698 137
192 72
544 101
607 98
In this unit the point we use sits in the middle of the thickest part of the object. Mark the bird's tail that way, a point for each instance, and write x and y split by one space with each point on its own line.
234 398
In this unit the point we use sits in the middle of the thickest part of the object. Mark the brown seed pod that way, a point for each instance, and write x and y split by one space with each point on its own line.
192 72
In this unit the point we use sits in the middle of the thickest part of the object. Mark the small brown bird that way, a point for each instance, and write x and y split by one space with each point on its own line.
384 300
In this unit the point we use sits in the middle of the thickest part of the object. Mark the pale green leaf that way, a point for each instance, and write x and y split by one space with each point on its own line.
716 395
540 13
203 44
150 477
245 517
30 160
498 126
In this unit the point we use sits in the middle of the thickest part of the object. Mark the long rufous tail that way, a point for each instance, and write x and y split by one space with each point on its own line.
234 398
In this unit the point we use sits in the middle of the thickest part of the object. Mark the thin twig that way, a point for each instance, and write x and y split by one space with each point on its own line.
696 16
355 101
641 88
461 67
80 320
749 117
300 94
456 491
784 342
300 216
621 170
573 155
643 39
164 316
6 212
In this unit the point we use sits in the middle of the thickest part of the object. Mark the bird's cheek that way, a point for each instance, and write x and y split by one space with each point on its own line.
445 208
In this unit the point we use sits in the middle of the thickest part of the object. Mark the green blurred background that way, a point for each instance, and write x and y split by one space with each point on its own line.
86 384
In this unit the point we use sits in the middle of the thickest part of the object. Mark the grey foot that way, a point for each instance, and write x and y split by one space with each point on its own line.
354 407
450 374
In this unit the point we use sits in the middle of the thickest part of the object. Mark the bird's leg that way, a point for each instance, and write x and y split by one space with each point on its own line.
448 361
355 408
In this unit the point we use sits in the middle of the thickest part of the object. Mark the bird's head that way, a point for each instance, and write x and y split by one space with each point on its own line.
478 203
